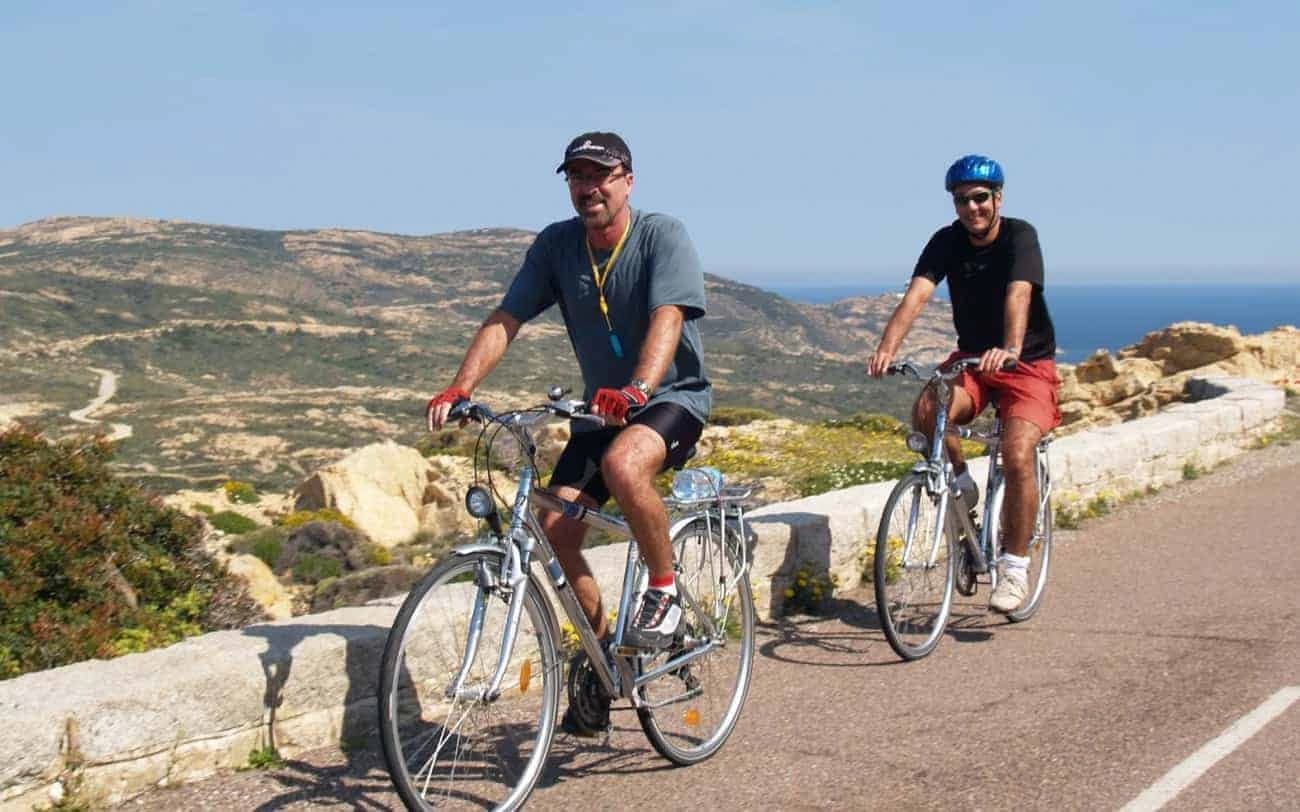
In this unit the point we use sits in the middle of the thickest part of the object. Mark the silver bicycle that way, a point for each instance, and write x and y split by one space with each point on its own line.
472 670
930 542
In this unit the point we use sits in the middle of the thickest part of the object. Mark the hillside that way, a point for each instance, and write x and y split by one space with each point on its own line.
259 354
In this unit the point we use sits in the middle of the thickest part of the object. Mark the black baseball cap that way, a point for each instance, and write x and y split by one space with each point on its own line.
606 149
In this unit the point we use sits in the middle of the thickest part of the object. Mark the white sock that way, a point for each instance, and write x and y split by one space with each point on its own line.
1016 562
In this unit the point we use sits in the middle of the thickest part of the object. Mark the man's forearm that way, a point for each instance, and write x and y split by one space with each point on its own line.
1016 318
489 344
661 340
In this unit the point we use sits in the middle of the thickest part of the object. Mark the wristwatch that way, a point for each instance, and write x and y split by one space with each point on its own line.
640 386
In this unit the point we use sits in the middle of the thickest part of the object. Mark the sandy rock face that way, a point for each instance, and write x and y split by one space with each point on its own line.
262 585
380 487
392 493
1187 345
1142 378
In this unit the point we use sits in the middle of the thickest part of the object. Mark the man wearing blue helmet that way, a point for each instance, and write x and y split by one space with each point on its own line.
994 269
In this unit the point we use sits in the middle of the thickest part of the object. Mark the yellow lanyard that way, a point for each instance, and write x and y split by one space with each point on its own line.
601 274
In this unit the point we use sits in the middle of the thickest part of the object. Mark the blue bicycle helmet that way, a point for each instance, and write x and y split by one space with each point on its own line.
973 169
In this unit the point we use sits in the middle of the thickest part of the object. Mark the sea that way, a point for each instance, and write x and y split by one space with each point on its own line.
1092 317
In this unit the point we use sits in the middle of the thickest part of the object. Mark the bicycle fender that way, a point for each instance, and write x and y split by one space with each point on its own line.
477 547
686 521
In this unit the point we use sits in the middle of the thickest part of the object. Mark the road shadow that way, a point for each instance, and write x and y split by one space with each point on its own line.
361 775
822 640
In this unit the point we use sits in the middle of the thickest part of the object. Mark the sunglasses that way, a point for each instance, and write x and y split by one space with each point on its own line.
978 198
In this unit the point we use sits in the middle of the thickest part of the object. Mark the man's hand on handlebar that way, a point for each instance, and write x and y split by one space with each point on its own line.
440 406
614 404
879 363
999 359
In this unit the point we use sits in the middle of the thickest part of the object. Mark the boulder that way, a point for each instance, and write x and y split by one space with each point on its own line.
380 487
262 585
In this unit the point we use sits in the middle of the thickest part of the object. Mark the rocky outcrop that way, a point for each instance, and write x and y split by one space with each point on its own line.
391 492
1140 379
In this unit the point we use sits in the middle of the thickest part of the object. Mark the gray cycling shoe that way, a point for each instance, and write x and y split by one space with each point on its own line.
655 623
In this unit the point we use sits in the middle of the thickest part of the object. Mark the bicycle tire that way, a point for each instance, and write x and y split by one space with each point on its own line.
913 596
700 703
1040 553
497 748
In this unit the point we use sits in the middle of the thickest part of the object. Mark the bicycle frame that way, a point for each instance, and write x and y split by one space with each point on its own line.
940 478
524 539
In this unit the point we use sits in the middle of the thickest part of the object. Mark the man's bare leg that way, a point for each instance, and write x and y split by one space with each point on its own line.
1019 439
960 411
566 536
629 467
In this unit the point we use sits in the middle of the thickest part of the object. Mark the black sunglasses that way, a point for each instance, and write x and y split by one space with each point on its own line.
978 198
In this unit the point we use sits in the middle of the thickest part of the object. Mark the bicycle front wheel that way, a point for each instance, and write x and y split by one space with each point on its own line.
688 713
1040 552
914 570
448 744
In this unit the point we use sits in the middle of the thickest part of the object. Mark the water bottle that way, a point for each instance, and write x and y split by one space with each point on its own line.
695 484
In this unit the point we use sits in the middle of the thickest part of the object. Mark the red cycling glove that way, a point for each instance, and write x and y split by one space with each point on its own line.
615 403
451 395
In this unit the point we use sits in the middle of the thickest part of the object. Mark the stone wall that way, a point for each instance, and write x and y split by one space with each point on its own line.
182 713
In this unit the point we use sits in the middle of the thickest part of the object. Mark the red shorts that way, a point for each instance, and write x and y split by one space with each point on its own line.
1027 392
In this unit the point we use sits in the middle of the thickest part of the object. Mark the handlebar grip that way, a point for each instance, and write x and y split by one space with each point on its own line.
463 410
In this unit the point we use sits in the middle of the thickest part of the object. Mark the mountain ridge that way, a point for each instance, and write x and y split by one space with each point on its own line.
200 321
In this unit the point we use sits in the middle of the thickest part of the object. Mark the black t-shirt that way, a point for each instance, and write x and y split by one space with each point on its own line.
977 284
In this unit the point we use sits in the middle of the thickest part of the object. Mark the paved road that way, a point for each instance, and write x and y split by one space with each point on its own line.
1166 623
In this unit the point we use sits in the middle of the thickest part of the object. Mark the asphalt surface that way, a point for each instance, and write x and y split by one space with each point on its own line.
1164 624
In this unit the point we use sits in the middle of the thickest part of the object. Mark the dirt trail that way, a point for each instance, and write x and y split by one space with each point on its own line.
107 389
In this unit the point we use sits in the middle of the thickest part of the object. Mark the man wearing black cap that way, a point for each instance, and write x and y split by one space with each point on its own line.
631 290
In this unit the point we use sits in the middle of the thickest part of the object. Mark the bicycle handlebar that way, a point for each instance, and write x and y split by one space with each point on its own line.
557 406
953 370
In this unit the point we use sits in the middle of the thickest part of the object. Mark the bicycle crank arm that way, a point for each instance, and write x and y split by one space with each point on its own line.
690 693
676 663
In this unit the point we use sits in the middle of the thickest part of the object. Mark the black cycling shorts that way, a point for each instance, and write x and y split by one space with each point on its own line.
579 463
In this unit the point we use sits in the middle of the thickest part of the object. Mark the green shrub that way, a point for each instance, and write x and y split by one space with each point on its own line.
809 591
232 523
1191 470
264 758
881 423
205 509
241 493
91 565
738 415
266 543
311 568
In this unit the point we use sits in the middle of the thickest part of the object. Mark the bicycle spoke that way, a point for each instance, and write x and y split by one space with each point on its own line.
462 749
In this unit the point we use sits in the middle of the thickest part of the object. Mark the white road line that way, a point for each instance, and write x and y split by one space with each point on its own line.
1195 765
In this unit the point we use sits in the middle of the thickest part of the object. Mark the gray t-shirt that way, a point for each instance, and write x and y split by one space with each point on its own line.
657 266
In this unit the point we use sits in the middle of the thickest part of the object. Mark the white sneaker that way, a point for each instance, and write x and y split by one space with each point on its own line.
655 622
1011 591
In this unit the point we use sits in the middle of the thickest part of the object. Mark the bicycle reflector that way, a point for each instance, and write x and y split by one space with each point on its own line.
479 502
916 441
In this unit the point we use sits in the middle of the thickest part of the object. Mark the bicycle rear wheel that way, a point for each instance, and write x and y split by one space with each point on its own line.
1040 552
688 713
914 570
461 750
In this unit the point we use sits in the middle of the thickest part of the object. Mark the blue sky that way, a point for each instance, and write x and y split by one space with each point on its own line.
799 142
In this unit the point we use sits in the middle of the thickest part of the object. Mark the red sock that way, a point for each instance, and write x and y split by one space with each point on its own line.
665 584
